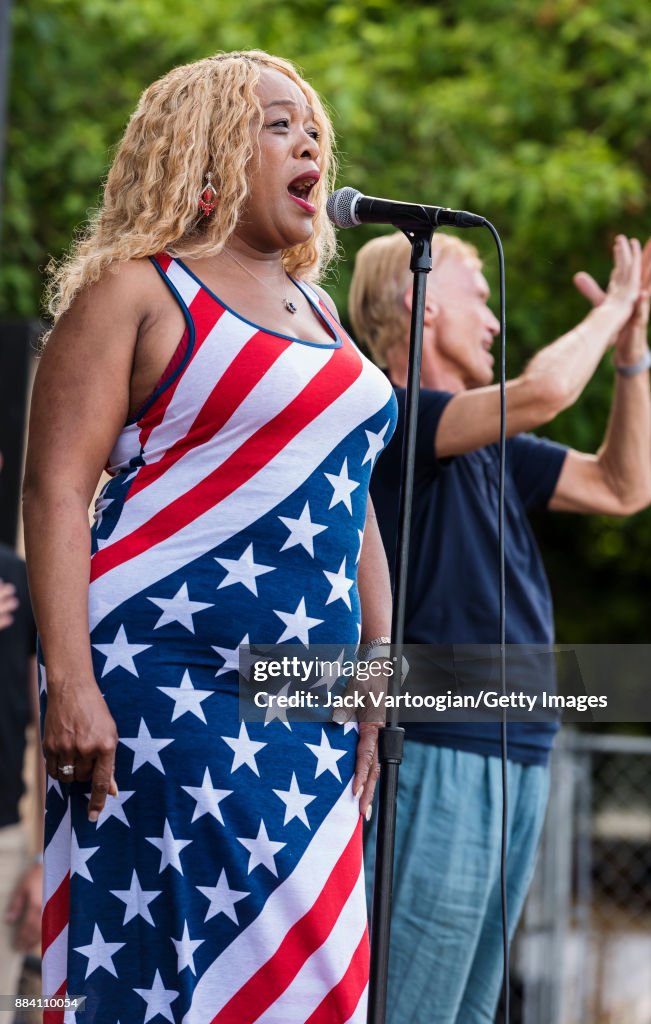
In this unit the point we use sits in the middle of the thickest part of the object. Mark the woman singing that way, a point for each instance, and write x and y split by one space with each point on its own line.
199 868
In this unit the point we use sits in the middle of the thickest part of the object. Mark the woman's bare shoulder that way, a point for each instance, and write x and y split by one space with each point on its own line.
133 281
118 302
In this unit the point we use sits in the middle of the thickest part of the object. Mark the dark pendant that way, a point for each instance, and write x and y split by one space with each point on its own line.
289 306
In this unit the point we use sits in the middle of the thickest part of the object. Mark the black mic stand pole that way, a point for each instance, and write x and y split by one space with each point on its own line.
391 736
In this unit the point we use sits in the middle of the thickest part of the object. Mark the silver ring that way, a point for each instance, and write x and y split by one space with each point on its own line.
66 769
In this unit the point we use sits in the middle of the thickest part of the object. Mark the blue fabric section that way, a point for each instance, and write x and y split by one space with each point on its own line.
527 743
453 592
445 964
534 465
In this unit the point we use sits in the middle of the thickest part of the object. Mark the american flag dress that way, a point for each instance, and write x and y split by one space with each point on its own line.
224 883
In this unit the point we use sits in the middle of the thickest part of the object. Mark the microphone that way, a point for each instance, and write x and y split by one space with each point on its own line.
347 208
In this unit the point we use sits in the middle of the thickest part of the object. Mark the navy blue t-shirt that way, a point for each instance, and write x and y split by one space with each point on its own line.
453 590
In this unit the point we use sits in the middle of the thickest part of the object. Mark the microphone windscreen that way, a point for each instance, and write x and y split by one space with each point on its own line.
340 207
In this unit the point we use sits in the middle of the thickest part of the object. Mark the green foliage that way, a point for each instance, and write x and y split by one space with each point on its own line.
533 113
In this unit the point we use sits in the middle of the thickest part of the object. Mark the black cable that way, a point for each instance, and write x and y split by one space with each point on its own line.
502 622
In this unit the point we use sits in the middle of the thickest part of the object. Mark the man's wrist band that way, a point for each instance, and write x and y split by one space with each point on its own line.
37 858
379 641
632 371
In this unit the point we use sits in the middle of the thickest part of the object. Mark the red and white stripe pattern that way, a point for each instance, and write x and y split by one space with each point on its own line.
56 908
322 917
246 424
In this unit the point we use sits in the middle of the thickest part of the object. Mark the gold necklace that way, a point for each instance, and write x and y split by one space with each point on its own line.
287 303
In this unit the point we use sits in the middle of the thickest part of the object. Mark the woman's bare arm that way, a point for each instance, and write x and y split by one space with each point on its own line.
374 586
79 405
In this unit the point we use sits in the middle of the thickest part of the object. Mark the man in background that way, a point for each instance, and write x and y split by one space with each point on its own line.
446 941
21 876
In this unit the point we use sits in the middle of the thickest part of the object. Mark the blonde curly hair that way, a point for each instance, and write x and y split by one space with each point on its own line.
199 117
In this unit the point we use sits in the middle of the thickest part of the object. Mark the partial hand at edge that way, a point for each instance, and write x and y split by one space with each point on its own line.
630 334
24 909
8 603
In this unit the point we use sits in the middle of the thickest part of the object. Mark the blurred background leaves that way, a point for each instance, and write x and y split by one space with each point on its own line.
535 114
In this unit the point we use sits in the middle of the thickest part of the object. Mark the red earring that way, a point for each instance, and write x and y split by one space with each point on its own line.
207 197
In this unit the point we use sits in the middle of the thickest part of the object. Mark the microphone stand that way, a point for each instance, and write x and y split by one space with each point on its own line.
391 736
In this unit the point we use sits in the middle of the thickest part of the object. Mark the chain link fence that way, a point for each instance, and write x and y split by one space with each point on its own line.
583 950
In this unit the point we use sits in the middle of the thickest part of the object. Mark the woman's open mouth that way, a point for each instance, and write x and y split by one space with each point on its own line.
299 190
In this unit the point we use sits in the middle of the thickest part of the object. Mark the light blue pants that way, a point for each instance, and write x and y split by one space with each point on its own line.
445 963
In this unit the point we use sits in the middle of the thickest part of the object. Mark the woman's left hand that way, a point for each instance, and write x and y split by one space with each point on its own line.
367 766
370 716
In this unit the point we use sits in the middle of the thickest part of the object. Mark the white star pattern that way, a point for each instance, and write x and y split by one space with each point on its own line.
120 653
332 673
342 487
326 756
375 444
295 802
136 900
340 585
54 784
186 698
185 948
297 624
145 748
301 531
178 609
262 850
245 750
79 857
222 898
274 711
170 848
100 953
231 656
361 541
207 798
113 808
159 999
243 570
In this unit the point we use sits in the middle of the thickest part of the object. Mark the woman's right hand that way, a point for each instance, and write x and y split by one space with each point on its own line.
79 730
